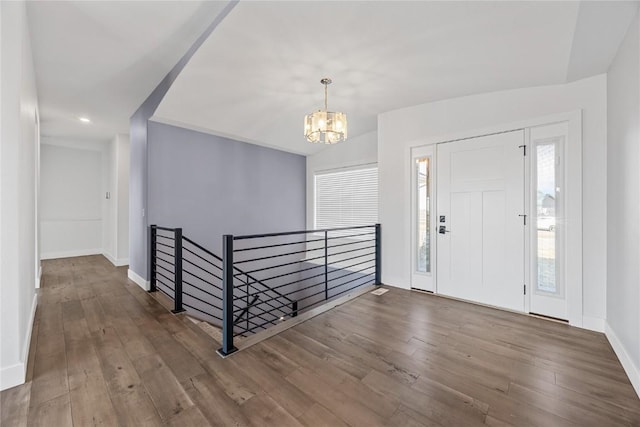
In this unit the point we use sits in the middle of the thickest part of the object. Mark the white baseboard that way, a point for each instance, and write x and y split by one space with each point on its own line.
135 278
70 254
116 262
11 376
633 372
593 323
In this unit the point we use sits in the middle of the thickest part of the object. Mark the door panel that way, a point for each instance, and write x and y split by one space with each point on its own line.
480 191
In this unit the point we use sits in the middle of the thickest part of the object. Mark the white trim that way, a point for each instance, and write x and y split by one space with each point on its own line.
116 262
596 324
15 374
138 280
633 372
71 254
39 277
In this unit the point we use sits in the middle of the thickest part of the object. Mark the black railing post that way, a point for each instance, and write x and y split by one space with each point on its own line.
326 265
152 258
294 308
177 297
227 296
378 256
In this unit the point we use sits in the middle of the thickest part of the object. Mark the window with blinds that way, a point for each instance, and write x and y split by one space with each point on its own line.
347 198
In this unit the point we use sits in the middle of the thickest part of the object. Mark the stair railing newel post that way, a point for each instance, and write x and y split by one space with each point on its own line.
326 265
177 297
152 257
227 296
378 280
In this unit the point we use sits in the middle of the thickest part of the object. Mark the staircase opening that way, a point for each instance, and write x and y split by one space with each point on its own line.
261 281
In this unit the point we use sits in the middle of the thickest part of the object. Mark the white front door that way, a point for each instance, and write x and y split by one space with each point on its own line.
480 222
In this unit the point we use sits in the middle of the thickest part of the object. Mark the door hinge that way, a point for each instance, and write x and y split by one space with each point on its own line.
525 289
524 149
524 219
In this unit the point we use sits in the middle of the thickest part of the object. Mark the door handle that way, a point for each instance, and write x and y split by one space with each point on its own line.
443 229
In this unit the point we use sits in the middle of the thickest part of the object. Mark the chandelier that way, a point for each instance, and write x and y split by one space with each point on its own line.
325 126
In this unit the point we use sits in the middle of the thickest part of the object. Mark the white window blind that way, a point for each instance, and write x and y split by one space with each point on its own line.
347 198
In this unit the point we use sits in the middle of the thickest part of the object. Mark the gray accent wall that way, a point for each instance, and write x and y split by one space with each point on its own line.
138 177
211 186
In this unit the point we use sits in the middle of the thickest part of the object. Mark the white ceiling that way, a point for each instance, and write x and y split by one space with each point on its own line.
258 73
102 59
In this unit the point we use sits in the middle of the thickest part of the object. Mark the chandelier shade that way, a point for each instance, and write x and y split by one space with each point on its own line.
323 126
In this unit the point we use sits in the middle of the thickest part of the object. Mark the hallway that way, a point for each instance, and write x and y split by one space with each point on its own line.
104 352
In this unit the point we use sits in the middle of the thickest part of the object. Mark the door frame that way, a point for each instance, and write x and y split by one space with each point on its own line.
573 202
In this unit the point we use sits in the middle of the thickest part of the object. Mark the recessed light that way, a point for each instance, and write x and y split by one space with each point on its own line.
84 119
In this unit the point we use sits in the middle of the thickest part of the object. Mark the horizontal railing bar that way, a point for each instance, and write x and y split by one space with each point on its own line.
285 274
157 227
353 257
278 255
166 237
313 277
254 280
351 250
349 281
280 265
262 324
164 261
202 248
267 301
165 285
292 283
289 233
203 312
202 290
201 268
164 292
164 268
163 252
350 236
352 265
163 244
352 288
202 258
279 244
349 274
258 315
201 300
351 243
203 280
262 310
170 280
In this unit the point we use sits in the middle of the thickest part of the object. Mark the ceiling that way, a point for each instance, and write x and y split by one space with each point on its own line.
258 73
101 59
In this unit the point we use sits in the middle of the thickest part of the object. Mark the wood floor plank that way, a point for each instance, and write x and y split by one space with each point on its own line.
14 405
166 392
105 352
54 412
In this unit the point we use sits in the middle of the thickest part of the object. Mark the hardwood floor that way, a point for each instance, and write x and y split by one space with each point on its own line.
104 352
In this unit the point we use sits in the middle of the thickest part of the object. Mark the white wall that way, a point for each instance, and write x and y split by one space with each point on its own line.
116 247
353 152
18 193
401 129
76 217
623 202
72 184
